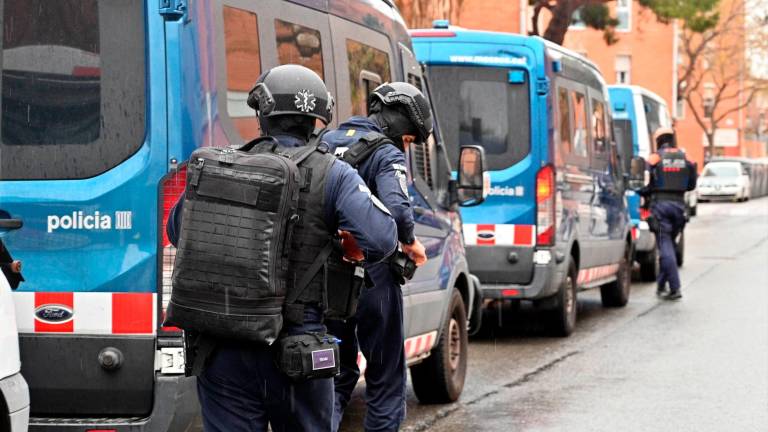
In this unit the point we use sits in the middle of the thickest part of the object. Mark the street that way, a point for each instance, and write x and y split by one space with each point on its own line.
697 364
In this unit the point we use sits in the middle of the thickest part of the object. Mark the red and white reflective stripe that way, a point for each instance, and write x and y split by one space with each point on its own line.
634 233
414 347
499 235
91 312
597 273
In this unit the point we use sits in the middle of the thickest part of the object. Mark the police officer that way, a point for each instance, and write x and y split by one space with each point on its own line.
241 388
398 116
671 176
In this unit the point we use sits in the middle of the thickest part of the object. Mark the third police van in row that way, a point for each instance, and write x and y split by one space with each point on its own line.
555 221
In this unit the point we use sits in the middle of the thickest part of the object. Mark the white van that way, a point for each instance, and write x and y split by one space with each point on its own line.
14 393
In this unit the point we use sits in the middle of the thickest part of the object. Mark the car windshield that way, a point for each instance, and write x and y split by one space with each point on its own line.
721 170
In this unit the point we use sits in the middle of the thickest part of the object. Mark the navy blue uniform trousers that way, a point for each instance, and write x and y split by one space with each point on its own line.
377 331
242 390
671 218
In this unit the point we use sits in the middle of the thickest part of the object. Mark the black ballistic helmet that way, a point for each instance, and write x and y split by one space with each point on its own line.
291 90
407 100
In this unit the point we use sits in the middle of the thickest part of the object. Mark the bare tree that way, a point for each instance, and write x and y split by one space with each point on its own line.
716 75
421 13
594 14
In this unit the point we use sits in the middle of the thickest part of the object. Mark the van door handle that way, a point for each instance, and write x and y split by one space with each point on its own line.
11 224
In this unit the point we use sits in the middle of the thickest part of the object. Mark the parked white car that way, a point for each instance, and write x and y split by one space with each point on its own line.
14 393
723 181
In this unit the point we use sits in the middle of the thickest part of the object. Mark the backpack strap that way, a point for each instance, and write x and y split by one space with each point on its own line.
364 147
295 312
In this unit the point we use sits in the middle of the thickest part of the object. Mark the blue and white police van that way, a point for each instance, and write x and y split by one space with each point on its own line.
555 220
103 102
637 114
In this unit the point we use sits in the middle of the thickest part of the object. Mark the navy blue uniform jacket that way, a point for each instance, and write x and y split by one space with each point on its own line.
348 206
383 172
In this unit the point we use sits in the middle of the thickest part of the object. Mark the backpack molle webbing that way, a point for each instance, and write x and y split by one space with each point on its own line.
232 264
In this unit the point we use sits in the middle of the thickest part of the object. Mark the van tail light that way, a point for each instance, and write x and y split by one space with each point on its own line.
644 213
545 206
171 188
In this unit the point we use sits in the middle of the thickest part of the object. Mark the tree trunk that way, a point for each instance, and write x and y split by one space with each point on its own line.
710 144
561 19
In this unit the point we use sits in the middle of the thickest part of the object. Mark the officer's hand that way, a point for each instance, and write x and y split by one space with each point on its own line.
352 252
16 266
417 252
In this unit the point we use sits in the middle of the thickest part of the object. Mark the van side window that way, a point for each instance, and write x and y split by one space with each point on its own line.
579 124
73 87
368 67
241 43
599 136
564 112
298 44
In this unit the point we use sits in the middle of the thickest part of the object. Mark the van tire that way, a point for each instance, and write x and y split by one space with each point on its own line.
563 316
649 265
440 378
616 293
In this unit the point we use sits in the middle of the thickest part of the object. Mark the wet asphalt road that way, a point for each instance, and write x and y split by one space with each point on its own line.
699 364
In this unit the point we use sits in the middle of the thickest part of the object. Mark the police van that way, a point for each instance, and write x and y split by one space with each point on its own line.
14 393
103 102
555 220
637 114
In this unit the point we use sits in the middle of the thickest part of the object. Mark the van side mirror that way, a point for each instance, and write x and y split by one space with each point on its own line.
636 173
474 181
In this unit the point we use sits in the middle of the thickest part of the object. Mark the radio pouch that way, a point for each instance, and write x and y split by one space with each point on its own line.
308 356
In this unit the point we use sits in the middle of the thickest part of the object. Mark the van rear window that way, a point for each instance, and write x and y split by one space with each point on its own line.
479 106
73 87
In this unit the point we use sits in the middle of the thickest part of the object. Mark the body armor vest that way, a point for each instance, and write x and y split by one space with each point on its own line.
671 175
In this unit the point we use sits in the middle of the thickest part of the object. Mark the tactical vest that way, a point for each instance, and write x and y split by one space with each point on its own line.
360 151
252 227
671 175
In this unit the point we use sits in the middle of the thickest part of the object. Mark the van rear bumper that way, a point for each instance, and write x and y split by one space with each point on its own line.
546 279
175 407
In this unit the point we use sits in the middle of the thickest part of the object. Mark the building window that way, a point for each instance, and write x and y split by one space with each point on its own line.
241 46
623 66
576 22
297 44
368 67
624 15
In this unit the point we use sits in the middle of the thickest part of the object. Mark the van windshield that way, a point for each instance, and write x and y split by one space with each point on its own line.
721 170
73 87
479 106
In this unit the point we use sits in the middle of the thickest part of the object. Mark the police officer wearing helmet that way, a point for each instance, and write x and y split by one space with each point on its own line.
399 115
671 176
243 385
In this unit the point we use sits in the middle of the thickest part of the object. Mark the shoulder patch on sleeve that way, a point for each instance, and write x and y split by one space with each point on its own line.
350 132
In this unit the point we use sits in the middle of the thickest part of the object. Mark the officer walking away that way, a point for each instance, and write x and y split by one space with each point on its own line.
249 286
11 268
671 176
399 115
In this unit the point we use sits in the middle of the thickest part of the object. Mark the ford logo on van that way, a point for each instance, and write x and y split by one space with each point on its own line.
53 313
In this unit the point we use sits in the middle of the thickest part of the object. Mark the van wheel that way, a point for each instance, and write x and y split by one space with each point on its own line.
616 293
680 250
563 318
693 210
649 265
440 378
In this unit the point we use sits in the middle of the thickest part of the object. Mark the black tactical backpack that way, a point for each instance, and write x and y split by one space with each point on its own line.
239 212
